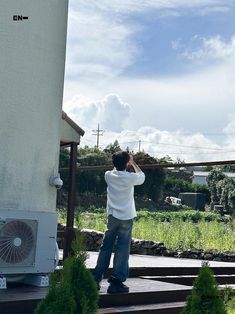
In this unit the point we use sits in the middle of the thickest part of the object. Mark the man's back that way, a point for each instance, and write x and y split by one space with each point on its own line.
120 193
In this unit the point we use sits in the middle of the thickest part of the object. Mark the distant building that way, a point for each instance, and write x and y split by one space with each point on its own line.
199 177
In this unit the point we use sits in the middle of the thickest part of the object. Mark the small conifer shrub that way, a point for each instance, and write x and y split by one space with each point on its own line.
205 297
73 289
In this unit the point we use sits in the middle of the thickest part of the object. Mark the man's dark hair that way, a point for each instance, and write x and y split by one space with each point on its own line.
120 160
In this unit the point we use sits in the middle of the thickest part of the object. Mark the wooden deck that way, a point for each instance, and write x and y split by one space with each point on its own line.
157 285
20 299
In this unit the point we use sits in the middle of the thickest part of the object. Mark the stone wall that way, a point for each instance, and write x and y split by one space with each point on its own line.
93 240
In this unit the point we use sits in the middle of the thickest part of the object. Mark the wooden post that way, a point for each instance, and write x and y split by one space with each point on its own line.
69 232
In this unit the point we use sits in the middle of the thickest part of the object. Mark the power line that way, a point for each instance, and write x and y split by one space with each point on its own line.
208 133
195 153
178 145
138 143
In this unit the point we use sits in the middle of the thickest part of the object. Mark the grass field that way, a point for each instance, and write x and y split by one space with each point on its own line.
186 229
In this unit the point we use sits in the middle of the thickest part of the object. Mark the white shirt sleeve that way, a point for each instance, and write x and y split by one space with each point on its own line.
138 177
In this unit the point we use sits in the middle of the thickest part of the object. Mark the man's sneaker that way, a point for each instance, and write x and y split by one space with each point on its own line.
116 286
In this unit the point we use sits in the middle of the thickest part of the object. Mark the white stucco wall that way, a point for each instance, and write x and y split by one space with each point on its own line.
31 89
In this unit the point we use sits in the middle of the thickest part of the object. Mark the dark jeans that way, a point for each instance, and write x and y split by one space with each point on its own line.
120 230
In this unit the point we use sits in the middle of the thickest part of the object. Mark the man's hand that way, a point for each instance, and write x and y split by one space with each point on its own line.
132 163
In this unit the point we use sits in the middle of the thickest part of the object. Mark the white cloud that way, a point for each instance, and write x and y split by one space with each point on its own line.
189 147
176 44
230 128
213 48
99 46
101 33
200 101
216 9
229 131
110 112
127 6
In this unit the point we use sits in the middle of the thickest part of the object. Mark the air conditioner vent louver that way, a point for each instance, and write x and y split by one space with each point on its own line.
17 242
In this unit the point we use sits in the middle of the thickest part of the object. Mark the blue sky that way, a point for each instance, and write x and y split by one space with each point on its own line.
159 72
160 36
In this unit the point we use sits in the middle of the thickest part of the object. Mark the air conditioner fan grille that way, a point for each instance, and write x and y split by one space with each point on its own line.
16 241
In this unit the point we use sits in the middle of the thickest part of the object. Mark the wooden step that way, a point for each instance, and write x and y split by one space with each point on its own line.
172 271
147 265
158 308
188 280
143 291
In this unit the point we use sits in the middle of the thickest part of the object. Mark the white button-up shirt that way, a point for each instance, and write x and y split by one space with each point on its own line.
120 193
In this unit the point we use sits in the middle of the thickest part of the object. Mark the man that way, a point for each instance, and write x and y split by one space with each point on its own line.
121 211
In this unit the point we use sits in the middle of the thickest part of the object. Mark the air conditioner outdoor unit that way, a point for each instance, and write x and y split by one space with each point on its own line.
27 242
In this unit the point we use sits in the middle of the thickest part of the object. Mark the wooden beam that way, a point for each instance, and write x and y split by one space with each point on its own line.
162 165
69 232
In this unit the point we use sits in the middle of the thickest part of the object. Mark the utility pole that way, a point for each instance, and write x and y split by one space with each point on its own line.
98 133
139 145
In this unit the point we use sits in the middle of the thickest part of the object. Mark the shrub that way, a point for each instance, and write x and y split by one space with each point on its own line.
73 289
205 298
59 300
82 285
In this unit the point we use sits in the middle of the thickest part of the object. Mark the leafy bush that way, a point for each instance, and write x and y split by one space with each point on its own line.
205 298
185 215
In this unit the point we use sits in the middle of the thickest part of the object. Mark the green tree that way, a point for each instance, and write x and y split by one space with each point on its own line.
226 193
112 148
222 189
154 178
228 168
91 181
213 178
64 157
205 298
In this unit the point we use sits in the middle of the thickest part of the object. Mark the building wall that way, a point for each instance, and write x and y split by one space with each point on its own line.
31 89
199 177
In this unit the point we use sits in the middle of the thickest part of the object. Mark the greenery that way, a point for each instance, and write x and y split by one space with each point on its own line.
231 306
222 189
185 215
73 289
205 298
175 186
158 184
229 300
88 181
182 229
154 178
